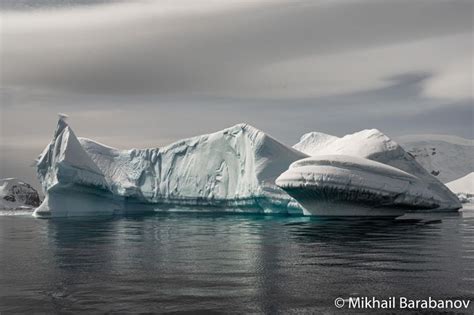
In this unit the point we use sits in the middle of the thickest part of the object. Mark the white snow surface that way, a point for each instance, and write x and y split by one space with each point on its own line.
15 194
311 142
446 157
374 145
366 143
233 167
464 188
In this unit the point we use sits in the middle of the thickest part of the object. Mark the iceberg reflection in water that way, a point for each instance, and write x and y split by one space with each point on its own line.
216 263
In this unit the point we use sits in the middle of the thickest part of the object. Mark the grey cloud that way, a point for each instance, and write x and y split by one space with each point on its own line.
154 120
215 53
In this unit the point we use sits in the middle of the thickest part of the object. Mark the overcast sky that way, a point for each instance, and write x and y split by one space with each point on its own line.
146 73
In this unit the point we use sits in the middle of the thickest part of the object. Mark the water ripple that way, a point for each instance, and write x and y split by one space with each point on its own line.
228 263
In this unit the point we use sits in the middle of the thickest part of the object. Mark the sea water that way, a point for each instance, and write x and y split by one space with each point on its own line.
204 262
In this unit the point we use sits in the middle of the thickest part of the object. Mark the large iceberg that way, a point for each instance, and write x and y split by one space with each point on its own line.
234 168
343 185
374 145
230 170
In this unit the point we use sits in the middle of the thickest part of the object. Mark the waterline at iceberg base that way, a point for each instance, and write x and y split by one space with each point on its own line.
232 170
76 200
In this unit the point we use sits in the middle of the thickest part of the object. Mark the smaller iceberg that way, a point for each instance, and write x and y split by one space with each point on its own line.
341 185
376 146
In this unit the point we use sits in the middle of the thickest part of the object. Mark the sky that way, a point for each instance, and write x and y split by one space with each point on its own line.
147 73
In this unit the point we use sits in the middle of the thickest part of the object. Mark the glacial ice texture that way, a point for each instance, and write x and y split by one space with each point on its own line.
235 168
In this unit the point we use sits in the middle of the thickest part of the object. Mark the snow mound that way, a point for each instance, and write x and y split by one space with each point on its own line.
350 185
446 157
312 141
15 194
370 143
374 145
463 187
235 167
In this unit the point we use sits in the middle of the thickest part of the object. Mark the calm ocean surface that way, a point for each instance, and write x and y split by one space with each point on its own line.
209 263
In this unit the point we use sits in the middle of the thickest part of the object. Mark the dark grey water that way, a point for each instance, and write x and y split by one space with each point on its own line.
229 263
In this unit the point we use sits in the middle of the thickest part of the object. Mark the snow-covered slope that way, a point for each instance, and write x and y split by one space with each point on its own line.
235 167
349 185
374 145
369 143
310 143
15 194
463 187
446 157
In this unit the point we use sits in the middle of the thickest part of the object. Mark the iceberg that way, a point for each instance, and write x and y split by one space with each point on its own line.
15 194
234 169
343 185
374 145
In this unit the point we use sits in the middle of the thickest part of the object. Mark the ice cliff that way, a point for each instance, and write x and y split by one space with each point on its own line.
15 194
234 168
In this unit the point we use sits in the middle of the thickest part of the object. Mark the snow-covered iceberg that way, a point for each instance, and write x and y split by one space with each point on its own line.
234 168
463 187
374 145
15 194
343 185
